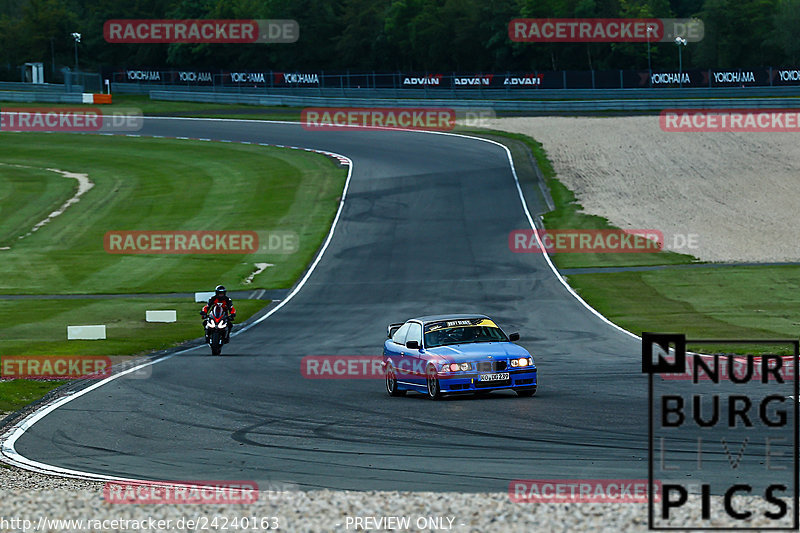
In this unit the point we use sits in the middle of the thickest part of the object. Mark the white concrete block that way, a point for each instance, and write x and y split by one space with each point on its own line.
86 333
163 315
203 296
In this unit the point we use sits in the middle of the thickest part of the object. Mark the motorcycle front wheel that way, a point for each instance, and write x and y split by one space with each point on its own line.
216 342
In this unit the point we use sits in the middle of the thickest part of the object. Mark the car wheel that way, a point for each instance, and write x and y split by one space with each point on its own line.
391 383
434 392
526 392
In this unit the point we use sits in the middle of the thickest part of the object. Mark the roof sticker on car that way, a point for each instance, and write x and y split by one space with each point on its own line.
445 324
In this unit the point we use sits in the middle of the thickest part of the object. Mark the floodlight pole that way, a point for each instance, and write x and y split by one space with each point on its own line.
680 41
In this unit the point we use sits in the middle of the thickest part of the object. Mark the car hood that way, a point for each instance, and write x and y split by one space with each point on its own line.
477 351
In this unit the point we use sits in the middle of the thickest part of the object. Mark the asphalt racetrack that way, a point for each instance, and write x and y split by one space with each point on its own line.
424 230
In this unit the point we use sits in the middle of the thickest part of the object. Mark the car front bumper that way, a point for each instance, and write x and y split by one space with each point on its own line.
472 383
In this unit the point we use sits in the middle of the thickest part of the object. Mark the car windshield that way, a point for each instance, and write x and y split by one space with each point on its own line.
462 332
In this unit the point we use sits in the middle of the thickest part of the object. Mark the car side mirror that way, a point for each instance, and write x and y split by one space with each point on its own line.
412 345
513 337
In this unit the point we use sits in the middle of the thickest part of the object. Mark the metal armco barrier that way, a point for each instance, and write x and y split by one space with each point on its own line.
53 97
559 106
478 94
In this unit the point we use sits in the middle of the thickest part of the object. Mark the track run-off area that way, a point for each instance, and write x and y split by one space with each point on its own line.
423 229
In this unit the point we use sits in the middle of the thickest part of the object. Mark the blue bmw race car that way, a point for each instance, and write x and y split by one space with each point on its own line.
444 354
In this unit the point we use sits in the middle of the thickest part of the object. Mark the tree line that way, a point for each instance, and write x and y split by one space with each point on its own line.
398 35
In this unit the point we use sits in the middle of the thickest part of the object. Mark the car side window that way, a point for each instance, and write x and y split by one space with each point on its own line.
415 333
399 336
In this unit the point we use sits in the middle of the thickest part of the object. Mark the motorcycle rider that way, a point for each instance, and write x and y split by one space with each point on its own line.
227 304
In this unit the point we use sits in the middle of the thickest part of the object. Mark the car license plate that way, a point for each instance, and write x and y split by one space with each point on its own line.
502 376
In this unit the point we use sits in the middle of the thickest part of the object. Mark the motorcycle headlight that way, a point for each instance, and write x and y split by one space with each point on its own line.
222 325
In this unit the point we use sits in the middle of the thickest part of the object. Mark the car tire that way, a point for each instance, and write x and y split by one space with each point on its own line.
434 391
526 392
391 383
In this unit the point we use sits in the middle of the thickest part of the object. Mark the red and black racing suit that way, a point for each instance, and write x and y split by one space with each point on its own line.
227 304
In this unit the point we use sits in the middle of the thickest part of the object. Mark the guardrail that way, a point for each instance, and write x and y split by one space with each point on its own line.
31 87
479 94
557 106
53 97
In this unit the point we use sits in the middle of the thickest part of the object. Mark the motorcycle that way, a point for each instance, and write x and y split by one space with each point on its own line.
216 325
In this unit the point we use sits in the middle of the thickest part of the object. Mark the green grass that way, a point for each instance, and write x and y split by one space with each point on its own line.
142 184
21 187
725 302
18 393
39 327
158 184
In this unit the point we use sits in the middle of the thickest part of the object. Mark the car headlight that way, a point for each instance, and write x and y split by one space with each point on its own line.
455 367
515 362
